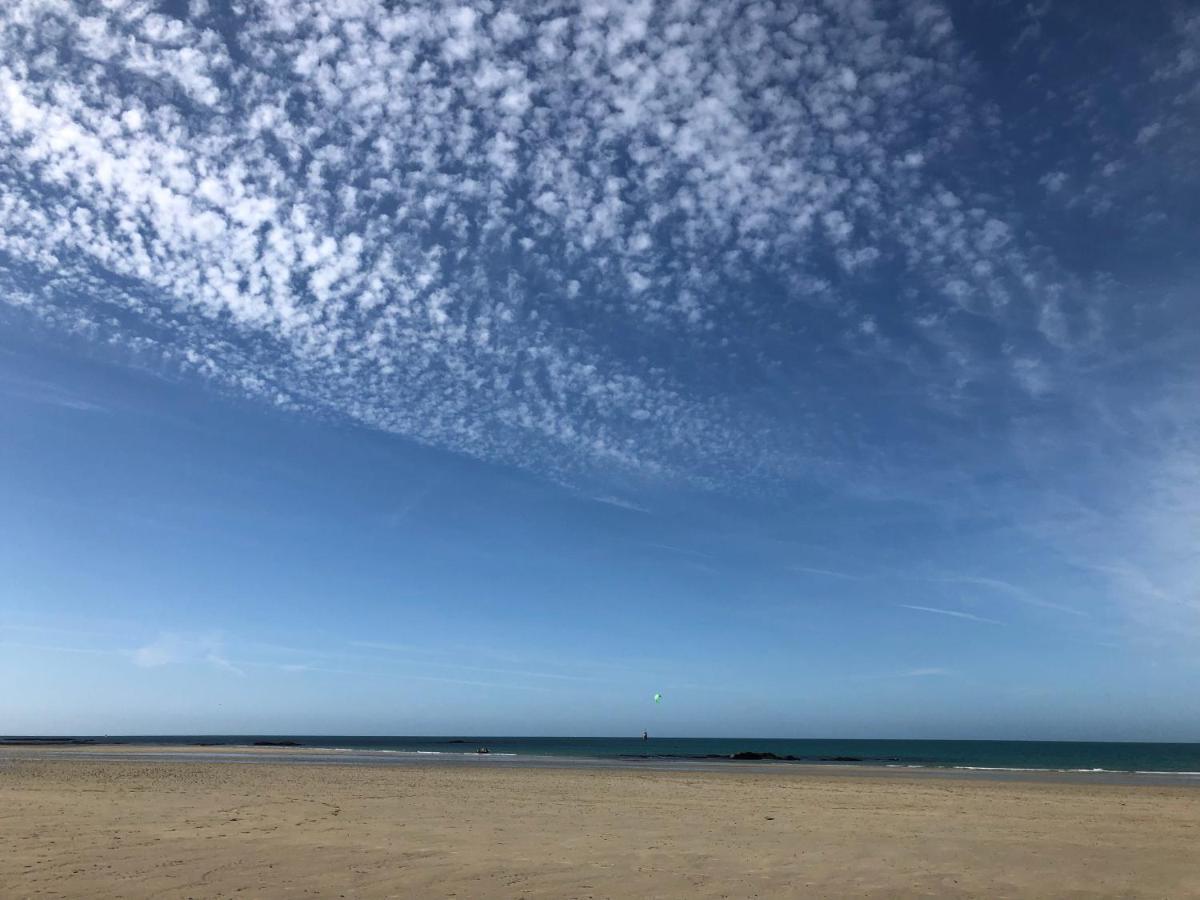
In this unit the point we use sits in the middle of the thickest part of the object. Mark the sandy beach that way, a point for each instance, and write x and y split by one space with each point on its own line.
142 826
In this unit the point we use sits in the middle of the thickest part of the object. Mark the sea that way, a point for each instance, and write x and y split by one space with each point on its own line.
1044 756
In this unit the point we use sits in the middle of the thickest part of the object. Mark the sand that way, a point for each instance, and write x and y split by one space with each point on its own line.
141 827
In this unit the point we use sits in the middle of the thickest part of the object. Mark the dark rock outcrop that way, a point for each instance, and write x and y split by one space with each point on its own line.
43 742
752 755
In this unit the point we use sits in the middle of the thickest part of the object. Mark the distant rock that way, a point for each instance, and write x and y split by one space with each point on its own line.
754 756
277 744
751 755
43 742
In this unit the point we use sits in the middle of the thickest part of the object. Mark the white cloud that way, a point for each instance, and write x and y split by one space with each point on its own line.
621 503
1148 132
539 236
919 672
926 672
153 655
1005 589
828 573
1138 537
403 215
1032 375
170 648
954 613
1053 181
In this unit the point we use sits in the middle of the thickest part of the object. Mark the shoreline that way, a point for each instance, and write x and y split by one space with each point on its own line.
287 755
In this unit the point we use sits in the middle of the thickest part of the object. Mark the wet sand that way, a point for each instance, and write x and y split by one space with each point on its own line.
137 824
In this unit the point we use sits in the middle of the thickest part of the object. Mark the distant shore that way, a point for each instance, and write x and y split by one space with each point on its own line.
273 822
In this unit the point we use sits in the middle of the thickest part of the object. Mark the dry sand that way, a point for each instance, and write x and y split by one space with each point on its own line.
142 827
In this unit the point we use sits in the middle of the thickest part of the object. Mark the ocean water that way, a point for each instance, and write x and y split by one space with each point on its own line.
980 755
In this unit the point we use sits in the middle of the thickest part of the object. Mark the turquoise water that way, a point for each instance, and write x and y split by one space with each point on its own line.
1045 755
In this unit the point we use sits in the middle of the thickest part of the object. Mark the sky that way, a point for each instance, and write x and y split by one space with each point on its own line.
420 368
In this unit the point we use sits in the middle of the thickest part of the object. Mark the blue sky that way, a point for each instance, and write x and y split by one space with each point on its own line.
385 368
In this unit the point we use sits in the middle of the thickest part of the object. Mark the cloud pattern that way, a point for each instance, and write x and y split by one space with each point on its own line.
487 227
713 240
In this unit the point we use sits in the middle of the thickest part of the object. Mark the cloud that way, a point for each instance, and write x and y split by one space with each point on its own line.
153 655
621 503
828 573
464 667
39 628
1006 589
446 223
469 683
170 648
35 391
1053 181
55 648
738 244
920 672
1136 536
958 614
390 646
927 672
1126 136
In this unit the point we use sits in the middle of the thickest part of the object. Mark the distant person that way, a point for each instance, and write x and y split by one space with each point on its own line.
645 736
